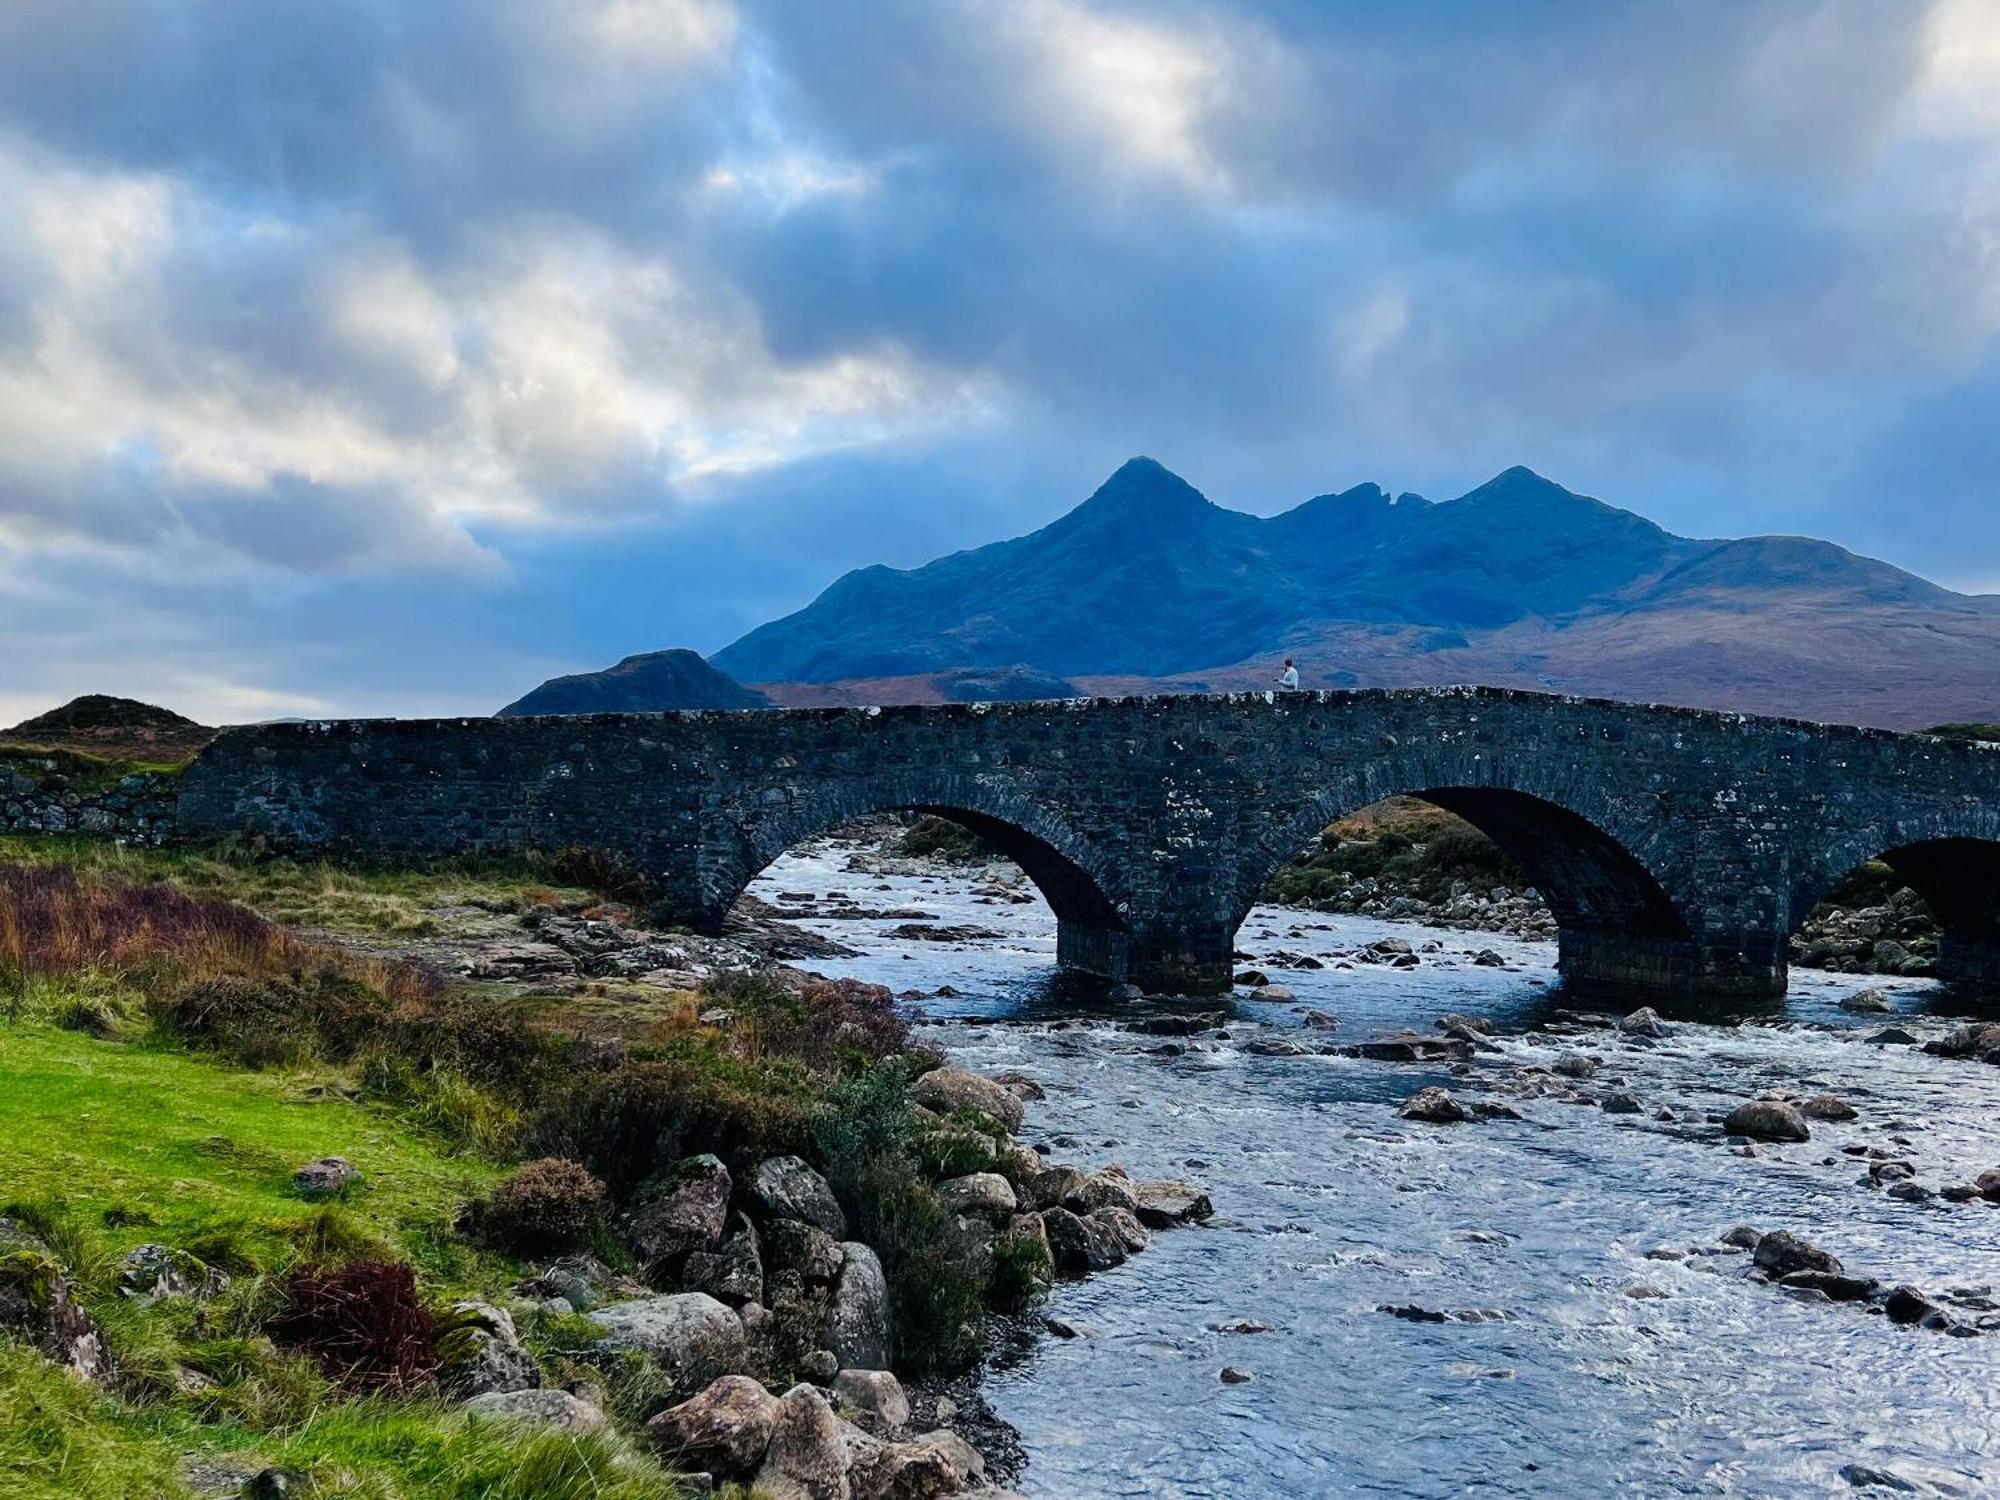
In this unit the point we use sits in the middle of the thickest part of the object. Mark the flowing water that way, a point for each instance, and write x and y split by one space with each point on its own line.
1586 1369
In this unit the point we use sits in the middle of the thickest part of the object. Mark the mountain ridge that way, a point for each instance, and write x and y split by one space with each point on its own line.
1519 582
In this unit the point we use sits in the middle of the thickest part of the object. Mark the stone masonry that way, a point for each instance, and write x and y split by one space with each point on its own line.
1677 848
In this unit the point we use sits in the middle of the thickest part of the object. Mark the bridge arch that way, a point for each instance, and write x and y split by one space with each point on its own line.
1601 868
1072 876
1951 859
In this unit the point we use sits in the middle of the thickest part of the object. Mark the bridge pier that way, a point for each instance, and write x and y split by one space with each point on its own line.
1161 958
1635 966
1968 959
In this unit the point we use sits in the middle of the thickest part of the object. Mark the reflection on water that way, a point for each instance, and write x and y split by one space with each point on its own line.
1593 1370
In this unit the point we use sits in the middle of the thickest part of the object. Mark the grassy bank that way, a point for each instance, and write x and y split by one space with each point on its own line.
169 1055
321 895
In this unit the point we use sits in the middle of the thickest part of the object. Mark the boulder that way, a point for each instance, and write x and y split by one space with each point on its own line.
947 1089
1125 1224
1620 1104
1078 1244
858 1327
724 1430
1988 1183
733 1274
937 1464
694 1337
806 1458
1273 992
583 1281
1646 1022
1908 1305
558 1410
1975 1040
985 1195
151 1272
38 1306
325 1178
1767 1120
480 1354
1102 1190
1576 1065
875 1392
1163 1203
804 1249
1410 1046
1868 1003
1827 1107
1435 1106
1781 1252
784 1187
682 1209
1049 1189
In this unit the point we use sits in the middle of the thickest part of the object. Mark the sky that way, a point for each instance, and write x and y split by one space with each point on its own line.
388 356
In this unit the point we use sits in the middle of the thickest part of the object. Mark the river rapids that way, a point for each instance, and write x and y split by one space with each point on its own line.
1568 1362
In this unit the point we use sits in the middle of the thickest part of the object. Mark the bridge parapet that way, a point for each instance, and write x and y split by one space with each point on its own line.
1675 846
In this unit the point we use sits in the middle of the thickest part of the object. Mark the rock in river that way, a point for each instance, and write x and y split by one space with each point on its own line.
1081 1243
1435 1106
1767 1120
1165 1203
1781 1252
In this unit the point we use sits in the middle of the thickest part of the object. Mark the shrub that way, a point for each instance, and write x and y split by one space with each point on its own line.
600 871
865 1136
548 1205
364 1324
1021 1271
833 1025
624 1119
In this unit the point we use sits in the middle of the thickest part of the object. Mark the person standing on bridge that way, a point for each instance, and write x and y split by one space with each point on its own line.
1288 680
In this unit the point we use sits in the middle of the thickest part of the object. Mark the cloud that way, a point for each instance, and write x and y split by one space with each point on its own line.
550 332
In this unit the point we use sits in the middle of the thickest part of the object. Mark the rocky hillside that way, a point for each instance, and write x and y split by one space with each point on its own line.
654 682
1149 586
113 728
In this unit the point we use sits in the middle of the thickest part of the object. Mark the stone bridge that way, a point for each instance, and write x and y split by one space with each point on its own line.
1678 849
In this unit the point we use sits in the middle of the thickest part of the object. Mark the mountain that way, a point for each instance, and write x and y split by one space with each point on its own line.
651 683
1148 585
120 728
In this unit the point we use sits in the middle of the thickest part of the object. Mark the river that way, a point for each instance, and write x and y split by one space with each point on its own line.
1585 1368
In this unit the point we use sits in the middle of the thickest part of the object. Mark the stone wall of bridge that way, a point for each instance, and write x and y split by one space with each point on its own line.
1677 848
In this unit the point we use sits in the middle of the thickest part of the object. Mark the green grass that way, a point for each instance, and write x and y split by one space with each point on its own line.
1966 731
185 1148
82 771
59 1440
113 1143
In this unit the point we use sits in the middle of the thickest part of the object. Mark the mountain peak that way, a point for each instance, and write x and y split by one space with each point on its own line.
650 682
1145 485
1520 485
